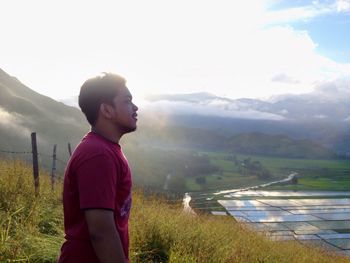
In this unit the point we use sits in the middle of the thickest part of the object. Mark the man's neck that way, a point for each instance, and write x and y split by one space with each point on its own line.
105 134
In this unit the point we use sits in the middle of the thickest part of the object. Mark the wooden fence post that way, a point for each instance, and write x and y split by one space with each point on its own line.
69 149
53 170
35 163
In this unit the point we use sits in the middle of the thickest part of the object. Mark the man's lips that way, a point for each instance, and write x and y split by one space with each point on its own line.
134 116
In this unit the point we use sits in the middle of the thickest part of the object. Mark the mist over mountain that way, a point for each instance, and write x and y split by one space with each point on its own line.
330 101
199 121
23 111
321 116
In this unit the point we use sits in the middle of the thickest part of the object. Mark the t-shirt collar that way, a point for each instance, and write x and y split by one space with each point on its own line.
94 133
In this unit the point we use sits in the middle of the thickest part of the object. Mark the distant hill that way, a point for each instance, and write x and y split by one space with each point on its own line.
328 102
172 137
278 145
322 116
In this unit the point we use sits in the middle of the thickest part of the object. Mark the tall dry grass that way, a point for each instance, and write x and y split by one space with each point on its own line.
30 226
163 234
31 229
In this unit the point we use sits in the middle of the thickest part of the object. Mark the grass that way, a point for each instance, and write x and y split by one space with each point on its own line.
228 177
31 229
30 226
313 174
215 182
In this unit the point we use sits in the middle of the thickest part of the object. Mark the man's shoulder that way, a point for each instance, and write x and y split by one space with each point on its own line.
93 145
87 152
91 142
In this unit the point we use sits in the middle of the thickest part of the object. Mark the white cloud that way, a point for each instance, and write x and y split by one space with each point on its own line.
293 14
227 110
230 48
13 122
284 79
71 101
307 12
338 90
343 5
284 112
320 116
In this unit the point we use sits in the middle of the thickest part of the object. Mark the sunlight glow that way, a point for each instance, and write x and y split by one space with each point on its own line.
234 49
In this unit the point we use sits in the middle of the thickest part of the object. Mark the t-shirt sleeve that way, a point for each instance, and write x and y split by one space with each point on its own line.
97 181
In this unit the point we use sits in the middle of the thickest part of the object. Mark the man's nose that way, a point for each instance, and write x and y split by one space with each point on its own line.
136 108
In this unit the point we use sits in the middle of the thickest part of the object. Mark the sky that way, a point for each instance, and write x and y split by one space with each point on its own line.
235 49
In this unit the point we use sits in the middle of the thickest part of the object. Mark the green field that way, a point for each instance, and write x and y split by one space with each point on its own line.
312 174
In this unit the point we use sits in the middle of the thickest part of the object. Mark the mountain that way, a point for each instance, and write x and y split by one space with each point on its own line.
256 143
330 135
23 111
328 102
200 121
321 116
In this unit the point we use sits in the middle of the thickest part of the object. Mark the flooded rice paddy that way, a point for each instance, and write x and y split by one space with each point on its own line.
315 218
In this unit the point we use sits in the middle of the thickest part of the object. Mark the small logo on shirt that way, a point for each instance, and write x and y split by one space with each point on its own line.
125 209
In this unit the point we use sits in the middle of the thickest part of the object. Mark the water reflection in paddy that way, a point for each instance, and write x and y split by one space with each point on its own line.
319 218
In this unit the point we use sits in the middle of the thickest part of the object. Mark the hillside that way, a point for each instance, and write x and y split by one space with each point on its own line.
257 143
278 145
32 229
23 111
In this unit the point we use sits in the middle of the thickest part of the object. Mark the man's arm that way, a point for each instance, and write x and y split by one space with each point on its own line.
104 236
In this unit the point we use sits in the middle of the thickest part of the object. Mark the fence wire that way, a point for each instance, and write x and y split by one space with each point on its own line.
13 152
30 152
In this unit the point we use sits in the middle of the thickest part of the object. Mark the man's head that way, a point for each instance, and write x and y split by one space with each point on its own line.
107 98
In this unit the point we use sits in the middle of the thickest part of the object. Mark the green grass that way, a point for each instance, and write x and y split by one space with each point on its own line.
314 174
31 229
316 183
227 179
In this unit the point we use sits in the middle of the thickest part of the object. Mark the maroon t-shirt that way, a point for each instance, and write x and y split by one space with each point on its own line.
97 176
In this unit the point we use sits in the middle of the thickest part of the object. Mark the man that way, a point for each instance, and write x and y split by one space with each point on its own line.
97 181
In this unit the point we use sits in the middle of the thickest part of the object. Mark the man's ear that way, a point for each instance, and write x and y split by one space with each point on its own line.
106 110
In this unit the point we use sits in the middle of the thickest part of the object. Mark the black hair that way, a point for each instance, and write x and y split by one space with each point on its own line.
98 90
